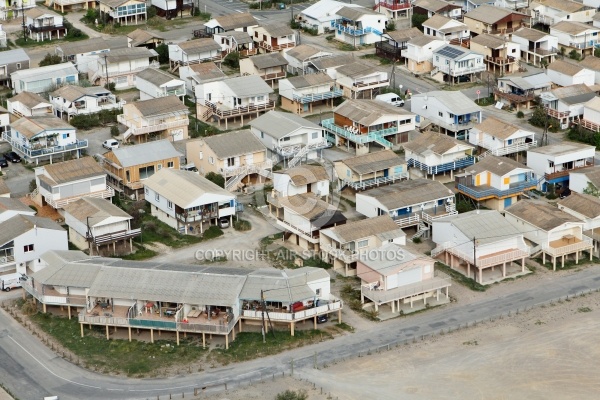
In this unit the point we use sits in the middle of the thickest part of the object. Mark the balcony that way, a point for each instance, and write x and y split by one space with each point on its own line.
50 296
45 28
386 50
544 52
171 92
115 236
281 315
500 60
68 2
564 246
34 152
514 97
587 124
510 149
436 169
486 261
461 71
368 183
347 256
246 169
351 30
82 110
142 130
311 237
373 136
393 6
565 172
288 151
312 97
582 46
275 47
406 220
557 114
225 112
274 75
358 86
486 192
197 216
439 281
60 203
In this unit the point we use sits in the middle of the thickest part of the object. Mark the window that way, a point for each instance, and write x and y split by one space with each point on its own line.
200 155
211 160
315 135
231 162
441 114
318 292
146 172
437 58
28 248
348 173
18 65
170 164
362 243
159 167
262 135
66 135
146 191
170 205
156 196
550 164
451 115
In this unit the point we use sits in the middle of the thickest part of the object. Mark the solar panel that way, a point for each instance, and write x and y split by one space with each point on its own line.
450 52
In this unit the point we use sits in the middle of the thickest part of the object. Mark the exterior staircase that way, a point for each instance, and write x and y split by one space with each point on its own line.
484 155
128 133
305 150
34 194
232 183
422 229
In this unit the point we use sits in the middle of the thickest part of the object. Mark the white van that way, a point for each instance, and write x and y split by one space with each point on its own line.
391 98
10 281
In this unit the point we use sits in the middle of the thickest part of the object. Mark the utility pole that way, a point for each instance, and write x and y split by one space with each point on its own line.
24 26
106 68
262 306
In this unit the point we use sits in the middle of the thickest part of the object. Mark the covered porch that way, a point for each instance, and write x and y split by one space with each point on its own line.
568 245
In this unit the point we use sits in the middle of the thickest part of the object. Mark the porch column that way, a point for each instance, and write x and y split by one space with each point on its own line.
393 306
437 295
480 275
177 336
240 326
553 263
203 340
69 311
81 325
315 321
411 301
504 269
292 328
233 334
107 333
447 292
468 270
424 299
129 332
577 257
151 335
543 257
340 316
44 307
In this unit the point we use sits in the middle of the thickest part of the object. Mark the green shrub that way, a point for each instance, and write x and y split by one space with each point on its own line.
417 21
151 12
50 59
32 185
232 60
574 55
292 395
212 232
520 114
163 53
242 225
215 178
114 130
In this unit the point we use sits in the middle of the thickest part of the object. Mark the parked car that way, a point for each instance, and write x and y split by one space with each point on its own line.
224 222
391 98
110 144
3 162
12 157
322 319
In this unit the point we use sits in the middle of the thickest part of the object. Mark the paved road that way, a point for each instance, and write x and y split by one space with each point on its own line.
42 372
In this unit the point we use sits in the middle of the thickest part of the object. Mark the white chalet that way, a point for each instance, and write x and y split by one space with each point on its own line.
73 100
500 138
154 83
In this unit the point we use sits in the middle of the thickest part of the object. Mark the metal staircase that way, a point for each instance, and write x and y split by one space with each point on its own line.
304 151
34 193
232 183
484 155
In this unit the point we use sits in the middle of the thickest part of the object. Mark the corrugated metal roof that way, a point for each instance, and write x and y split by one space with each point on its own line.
565 67
278 124
19 224
355 13
303 52
364 228
185 188
145 153
14 56
357 69
498 166
141 36
28 99
491 14
404 35
530 34
12 204
127 54
434 142
49 71
74 92
96 209
32 126
233 21
247 86
156 76
306 81
66 274
207 71
584 204
372 162
571 27
323 63
392 258
268 60
486 226
92 44
308 205
277 29
72 170
542 215
236 143
161 106
199 45
306 174
366 112
408 193
497 128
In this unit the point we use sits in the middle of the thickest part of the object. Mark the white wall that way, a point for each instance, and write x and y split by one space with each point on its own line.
43 240
586 76
578 182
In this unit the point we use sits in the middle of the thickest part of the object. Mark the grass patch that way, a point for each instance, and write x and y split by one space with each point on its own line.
460 278
470 343
351 297
345 327
141 253
134 358
346 47
382 61
154 230
267 240
249 345
485 101
317 262
242 225
212 233
584 309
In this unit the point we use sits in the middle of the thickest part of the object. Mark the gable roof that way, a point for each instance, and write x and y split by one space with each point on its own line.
404 35
74 92
127 54
28 99
31 126
558 149
526 82
305 81
207 71
571 91
424 40
571 27
73 170
199 45
156 76
355 13
145 153
48 71
278 124
20 224
433 5
561 5
117 3
365 228
357 69
37 12
438 21
565 67
455 101
161 106
583 204
497 127
248 86
183 187
276 28
12 204
591 173
240 37
487 226
491 41
433 142
593 104
408 193
235 143
540 214
14 56
303 52
498 166
366 112
305 174
314 209
372 162
268 60
530 34
592 63
141 36
333 61
454 52
96 209
92 44
233 21
491 14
